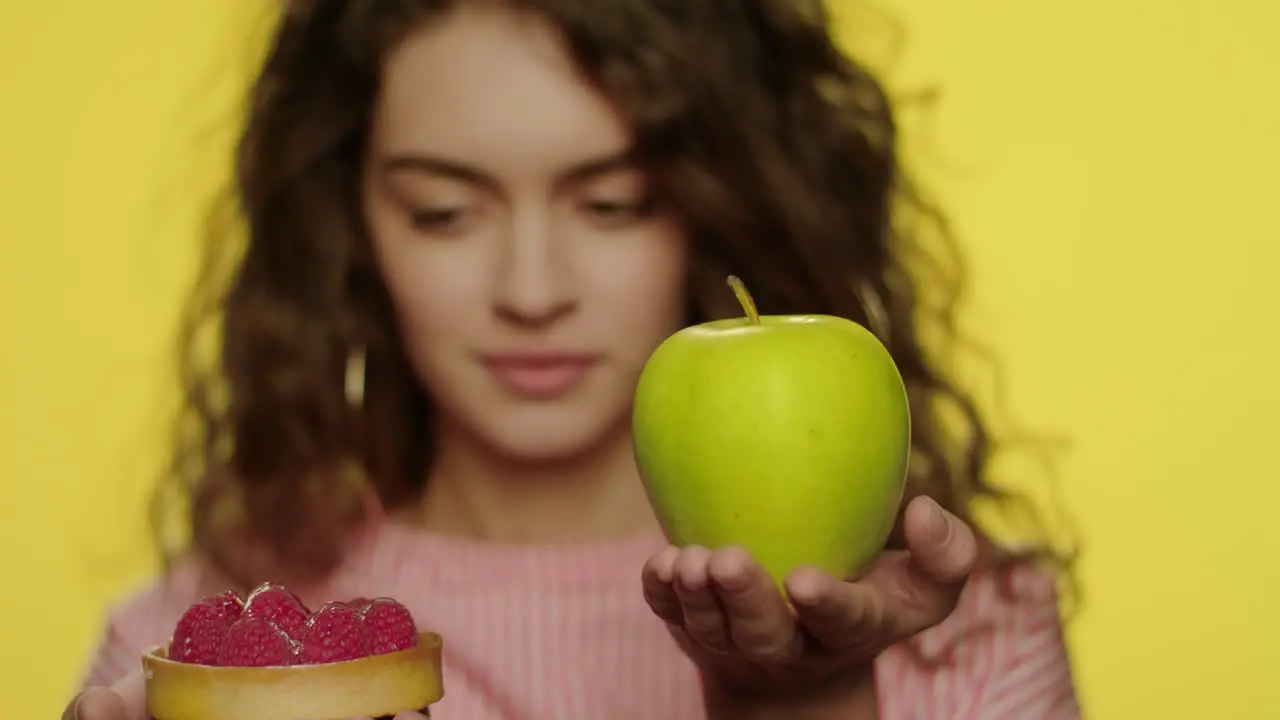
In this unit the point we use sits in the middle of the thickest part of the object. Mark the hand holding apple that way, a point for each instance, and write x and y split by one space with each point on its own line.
774 451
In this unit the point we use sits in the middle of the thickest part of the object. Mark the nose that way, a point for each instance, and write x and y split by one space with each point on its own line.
534 286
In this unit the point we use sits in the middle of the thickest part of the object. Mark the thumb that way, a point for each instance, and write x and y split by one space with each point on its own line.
126 700
97 704
942 551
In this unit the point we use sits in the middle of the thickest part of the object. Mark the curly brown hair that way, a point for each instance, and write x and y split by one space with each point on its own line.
776 148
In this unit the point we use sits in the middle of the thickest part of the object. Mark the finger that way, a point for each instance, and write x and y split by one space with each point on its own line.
703 618
99 704
919 588
760 624
840 616
72 711
657 578
943 547
133 691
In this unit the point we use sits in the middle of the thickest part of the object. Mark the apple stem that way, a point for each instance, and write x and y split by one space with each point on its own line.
744 299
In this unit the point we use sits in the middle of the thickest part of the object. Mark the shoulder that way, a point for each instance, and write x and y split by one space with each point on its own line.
143 618
145 614
1001 654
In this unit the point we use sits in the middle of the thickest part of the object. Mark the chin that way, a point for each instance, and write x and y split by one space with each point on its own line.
543 447
550 438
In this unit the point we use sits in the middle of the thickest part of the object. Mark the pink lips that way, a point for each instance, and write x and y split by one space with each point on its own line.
539 375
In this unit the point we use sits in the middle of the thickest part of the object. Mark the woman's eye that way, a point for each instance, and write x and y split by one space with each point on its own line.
618 210
607 207
436 219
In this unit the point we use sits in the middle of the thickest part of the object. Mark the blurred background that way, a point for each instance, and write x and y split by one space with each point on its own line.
1110 167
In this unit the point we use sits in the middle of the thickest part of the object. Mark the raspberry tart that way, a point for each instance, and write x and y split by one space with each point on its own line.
267 657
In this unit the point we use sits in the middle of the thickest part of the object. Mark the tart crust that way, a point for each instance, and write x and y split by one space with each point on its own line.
373 686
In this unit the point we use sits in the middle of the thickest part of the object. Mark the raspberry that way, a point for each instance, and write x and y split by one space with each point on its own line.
273 628
255 642
391 626
229 601
335 633
201 630
279 606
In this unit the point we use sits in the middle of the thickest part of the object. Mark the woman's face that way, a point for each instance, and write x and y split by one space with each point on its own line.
532 274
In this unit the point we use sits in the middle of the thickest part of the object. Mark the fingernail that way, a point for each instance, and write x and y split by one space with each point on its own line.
939 523
800 594
75 707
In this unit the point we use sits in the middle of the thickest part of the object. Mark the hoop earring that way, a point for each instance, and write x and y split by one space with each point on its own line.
353 385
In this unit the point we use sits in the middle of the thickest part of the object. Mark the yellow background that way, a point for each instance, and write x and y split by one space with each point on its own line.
1110 164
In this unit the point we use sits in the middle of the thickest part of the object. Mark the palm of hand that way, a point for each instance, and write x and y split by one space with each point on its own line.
736 625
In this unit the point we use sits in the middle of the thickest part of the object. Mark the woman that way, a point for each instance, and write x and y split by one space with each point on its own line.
469 223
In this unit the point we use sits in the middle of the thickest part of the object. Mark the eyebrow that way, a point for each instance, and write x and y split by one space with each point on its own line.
417 162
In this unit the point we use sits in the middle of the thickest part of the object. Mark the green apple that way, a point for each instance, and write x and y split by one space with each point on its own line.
787 435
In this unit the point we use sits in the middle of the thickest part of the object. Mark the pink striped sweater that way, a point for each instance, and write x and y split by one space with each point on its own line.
542 633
